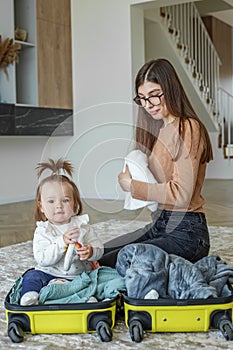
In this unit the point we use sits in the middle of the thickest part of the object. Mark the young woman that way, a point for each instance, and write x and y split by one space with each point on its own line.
58 209
178 148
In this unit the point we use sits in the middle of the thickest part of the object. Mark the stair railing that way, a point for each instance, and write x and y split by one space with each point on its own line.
186 27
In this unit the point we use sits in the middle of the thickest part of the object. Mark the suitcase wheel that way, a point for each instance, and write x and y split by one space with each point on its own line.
15 332
226 328
136 331
222 320
104 331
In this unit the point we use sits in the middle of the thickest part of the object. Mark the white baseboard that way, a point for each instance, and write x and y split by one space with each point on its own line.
16 199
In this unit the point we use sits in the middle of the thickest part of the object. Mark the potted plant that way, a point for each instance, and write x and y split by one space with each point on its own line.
8 53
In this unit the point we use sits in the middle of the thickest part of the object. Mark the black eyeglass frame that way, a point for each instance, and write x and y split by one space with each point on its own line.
137 98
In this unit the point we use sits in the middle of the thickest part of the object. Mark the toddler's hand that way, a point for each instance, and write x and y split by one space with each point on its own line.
85 252
71 236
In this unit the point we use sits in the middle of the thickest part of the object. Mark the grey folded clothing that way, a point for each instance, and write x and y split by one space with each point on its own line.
146 267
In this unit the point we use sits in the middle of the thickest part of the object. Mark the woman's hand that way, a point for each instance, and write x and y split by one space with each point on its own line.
71 236
85 252
124 179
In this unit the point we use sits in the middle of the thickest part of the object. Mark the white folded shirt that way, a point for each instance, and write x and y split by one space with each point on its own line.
138 166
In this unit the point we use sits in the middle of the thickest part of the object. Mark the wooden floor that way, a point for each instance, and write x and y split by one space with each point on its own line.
17 225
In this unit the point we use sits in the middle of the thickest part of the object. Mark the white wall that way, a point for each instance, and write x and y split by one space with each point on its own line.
102 89
219 168
102 86
137 39
19 157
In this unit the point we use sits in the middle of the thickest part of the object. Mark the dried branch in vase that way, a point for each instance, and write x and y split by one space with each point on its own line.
8 53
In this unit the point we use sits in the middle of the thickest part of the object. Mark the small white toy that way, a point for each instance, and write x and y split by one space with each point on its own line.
72 248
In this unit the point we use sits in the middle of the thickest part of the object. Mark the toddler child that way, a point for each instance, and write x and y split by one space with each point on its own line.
58 215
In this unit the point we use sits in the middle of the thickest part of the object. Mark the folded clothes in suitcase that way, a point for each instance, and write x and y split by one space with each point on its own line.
167 293
64 318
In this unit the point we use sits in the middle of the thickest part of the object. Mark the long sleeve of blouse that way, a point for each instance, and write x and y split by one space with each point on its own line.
49 248
180 176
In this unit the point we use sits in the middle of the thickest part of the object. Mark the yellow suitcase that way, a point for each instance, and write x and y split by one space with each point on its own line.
61 318
169 315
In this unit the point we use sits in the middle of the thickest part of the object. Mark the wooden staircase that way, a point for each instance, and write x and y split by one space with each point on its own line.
196 50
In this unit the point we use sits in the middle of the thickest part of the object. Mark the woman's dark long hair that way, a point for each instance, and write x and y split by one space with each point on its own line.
160 71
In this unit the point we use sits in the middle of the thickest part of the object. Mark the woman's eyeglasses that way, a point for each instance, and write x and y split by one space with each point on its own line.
153 100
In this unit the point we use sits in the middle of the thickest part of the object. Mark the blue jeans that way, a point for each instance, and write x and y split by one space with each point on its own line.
181 233
34 280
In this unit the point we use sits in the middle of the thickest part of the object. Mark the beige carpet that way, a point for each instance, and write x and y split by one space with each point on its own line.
18 258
